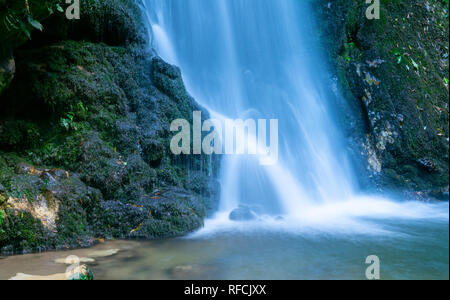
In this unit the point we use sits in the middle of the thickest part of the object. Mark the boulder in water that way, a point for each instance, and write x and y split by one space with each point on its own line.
242 213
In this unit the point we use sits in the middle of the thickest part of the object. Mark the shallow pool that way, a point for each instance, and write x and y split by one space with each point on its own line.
407 249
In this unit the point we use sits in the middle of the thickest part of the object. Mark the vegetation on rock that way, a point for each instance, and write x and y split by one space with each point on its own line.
396 70
84 137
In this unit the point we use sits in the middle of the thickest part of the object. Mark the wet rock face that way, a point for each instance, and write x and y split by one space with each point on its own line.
92 159
165 213
167 78
396 70
44 209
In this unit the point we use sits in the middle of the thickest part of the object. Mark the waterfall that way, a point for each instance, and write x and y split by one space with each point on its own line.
260 59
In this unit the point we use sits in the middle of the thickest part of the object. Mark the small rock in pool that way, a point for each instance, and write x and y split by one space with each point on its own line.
242 213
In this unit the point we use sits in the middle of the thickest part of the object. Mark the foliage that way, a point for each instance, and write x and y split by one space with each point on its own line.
68 122
19 134
21 18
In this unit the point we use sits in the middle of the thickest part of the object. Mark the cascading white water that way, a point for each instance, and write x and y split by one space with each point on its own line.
259 59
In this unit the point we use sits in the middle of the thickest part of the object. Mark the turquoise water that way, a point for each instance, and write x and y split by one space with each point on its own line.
419 250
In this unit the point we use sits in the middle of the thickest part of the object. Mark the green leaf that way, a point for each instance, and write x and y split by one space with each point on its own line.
59 8
81 106
25 30
65 124
36 24
11 21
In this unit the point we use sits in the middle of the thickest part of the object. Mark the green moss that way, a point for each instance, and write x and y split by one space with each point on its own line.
3 199
19 134
101 110
411 95
71 225
63 151
3 235
22 231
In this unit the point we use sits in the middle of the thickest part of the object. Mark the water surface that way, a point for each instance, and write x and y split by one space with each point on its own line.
408 249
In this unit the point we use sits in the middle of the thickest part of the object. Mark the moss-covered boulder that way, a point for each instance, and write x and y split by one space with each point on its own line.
92 158
167 212
41 23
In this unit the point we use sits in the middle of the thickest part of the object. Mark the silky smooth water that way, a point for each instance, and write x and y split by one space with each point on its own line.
259 59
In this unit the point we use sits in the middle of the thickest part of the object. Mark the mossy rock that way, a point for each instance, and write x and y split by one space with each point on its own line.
96 144
409 67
